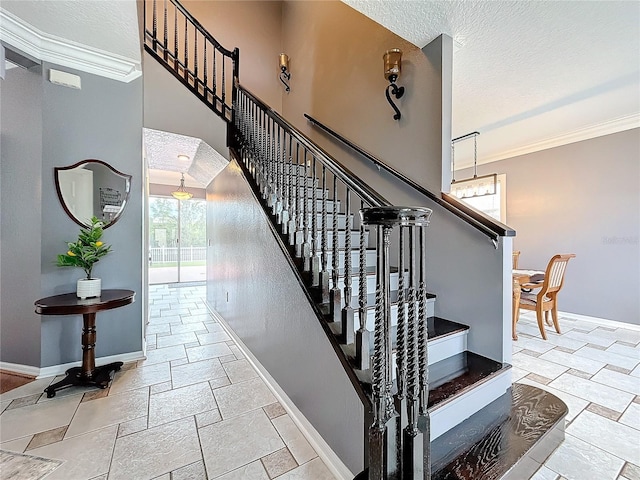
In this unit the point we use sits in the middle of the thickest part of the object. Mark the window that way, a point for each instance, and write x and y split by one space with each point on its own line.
494 205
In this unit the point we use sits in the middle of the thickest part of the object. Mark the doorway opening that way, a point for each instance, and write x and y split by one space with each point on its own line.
177 240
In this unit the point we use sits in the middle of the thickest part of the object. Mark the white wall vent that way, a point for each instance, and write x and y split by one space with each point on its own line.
65 79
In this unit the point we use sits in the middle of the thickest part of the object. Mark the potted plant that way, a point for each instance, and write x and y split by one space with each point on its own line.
85 253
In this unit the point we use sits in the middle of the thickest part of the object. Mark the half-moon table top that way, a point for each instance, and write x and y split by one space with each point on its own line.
69 303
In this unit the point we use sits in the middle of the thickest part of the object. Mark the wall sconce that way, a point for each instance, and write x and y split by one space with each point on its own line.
181 193
392 67
285 75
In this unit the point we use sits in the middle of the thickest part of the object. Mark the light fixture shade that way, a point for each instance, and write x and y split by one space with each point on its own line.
475 187
392 64
284 62
181 193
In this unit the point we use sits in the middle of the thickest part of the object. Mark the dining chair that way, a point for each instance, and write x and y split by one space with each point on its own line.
546 299
516 256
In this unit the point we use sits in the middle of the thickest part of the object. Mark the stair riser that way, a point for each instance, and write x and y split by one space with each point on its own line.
371 314
371 284
444 348
355 240
460 408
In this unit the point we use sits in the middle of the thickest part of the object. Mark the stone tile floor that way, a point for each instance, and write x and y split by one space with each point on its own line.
594 368
196 408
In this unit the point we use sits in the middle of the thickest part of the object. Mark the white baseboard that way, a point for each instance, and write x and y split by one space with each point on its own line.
21 369
60 369
601 321
328 456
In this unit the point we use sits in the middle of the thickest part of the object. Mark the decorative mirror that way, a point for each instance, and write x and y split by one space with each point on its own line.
92 188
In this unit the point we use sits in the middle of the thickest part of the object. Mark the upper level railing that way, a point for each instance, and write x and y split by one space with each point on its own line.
185 48
479 220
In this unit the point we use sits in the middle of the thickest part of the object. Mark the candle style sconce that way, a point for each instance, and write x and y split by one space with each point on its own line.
285 75
392 68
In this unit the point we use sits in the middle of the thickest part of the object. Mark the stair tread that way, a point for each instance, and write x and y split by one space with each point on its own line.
453 376
492 441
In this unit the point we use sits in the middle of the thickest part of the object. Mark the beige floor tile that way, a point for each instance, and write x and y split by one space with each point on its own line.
36 418
204 352
239 398
110 410
156 451
195 471
253 471
188 327
279 462
538 366
177 339
313 470
607 435
232 443
37 386
46 438
573 361
544 473
132 426
592 391
631 416
168 406
207 418
576 459
196 372
217 337
300 448
161 355
86 456
618 380
239 371
608 357
140 377
18 445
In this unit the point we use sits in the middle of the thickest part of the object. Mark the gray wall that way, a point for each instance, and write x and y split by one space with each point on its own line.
20 214
170 107
103 120
250 284
582 198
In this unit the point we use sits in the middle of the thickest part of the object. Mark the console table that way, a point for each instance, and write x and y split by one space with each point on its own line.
69 304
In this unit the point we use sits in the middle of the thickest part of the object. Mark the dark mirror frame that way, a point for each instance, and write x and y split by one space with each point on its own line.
124 176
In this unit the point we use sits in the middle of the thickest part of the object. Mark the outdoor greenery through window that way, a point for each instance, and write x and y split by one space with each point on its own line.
177 240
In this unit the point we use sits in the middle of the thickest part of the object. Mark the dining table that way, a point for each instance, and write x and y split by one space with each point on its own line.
520 278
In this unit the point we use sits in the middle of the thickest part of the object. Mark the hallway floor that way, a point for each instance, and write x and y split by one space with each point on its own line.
194 409
197 409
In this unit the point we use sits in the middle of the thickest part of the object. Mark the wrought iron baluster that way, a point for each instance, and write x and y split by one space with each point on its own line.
323 278
362 335
335 299
424 421
195 58
186 50
224 90
347 326
215 79
175 37
401 352
306 246
315 260
290 203
154 25
165 43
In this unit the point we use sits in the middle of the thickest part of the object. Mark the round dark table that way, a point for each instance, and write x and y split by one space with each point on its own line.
69 304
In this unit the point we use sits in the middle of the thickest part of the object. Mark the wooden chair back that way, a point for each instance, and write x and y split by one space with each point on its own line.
554 275
516 256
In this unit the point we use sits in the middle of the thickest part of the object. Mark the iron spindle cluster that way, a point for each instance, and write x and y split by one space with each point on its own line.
399 436
294 178
191 54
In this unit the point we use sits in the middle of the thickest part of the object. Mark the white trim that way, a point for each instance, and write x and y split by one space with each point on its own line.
616 125
28 39
601 321
21 369
60 369
324 451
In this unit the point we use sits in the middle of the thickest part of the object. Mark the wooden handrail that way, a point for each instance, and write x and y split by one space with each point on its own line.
474 217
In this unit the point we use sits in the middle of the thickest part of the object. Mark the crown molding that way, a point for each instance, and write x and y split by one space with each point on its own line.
616 125
18 34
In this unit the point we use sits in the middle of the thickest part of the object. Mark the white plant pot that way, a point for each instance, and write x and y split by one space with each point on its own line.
88 288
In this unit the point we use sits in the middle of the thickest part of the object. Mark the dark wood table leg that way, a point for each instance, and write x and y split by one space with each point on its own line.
88 374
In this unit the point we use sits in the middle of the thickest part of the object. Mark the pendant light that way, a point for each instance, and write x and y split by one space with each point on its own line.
181 193
477 186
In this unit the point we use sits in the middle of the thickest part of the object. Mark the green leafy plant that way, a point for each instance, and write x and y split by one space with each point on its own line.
88 250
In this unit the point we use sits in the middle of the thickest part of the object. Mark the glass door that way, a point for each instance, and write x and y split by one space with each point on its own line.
177 240
193 248
164 240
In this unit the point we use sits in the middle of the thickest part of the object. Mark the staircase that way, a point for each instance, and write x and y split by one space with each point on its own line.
433 408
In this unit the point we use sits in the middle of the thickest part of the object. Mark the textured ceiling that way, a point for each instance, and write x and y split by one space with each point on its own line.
162 150
529 74
111 26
